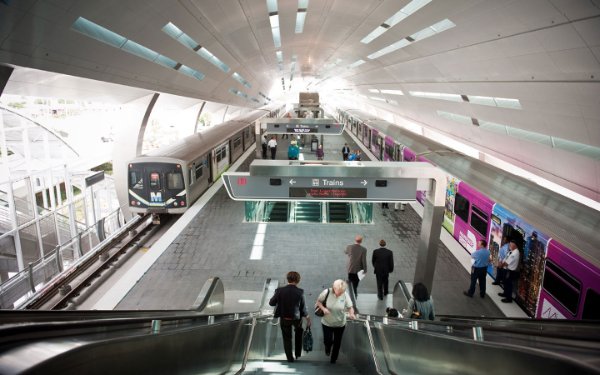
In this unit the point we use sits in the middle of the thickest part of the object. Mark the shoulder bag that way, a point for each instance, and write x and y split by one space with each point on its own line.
318 311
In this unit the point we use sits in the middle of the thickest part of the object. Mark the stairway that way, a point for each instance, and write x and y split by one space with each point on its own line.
308 212
339 212
277 212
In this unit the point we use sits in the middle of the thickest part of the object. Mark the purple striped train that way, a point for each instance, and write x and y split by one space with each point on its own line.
559 271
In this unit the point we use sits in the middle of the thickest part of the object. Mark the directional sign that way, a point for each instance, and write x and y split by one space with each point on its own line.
303 126
243 186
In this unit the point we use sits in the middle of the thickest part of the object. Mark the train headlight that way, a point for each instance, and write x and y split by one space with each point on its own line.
182 203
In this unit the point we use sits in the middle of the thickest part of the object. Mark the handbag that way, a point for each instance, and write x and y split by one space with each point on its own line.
416 314
318 311
307 340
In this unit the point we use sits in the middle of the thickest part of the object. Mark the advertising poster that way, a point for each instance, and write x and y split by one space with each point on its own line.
451 185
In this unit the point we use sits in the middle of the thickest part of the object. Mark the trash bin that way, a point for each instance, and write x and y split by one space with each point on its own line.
314 144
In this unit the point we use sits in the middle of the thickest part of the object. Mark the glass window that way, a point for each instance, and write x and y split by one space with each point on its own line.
562 286
591 307
175 181
199 171
479 220
237 142
136 180
155 180
461 207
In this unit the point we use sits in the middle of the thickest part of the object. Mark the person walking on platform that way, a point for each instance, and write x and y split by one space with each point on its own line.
383 263
420 306
293 150
511 265
334 302
273 147
502 253
357 261
320 152
345 151
264 147
481 260
291 308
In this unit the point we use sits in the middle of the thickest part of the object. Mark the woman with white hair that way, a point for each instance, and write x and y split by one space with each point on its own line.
334 302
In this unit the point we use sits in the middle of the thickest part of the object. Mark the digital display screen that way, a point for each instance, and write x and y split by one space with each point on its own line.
327 193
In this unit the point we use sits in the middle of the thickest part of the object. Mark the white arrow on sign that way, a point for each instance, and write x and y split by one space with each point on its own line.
292 181
364 182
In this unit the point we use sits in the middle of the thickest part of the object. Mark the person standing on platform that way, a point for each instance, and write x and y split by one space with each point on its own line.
502 253
510 264
383 263
273 147
481 260
291 308
320 152
357 261
337 302
357 156
293 150
345 151
264 147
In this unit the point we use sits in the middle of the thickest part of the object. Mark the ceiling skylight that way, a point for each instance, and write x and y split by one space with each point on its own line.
301 15
176 33
101 34
526 135
241 79
274 20
238 93
389 92
474 99
419 35
409 9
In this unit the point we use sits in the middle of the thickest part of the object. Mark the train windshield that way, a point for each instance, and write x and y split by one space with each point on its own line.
136 180
155 180
175 181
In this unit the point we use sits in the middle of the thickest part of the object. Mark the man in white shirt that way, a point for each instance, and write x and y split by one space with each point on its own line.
273 147
511 264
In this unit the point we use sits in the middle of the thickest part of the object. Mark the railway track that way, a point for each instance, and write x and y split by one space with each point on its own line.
80 281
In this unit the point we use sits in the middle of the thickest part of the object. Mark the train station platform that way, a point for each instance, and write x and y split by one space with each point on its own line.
217 242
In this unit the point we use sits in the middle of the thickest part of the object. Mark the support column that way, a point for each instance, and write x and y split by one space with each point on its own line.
433 216
198 117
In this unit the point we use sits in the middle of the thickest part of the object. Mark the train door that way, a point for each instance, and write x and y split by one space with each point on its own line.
220 156
381 142
367 137
398 152
359 130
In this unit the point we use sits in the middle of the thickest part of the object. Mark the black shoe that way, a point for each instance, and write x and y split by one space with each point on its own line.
380 298
298 356
290 360
482 296
496 283
502 294
467 294
327 352
506 300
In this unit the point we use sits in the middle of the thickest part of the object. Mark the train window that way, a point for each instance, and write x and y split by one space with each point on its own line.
175 181
591 307
237 142
461 207
198 171
223 152
479 220
155 180
562 286
136 180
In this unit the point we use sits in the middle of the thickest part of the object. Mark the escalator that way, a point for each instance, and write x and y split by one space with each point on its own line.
339 212
308 212
202 342
277 212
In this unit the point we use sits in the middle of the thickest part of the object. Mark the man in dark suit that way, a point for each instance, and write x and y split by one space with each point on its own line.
383 262
291 308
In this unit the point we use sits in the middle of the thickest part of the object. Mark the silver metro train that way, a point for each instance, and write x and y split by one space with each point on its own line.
170 179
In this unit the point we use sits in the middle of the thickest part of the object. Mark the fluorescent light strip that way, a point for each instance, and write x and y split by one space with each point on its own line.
279 55
238 93
241 79
101 34
176 33
355 64
274 20
300 19
409 9
419 35
526 135
473 99
392 92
